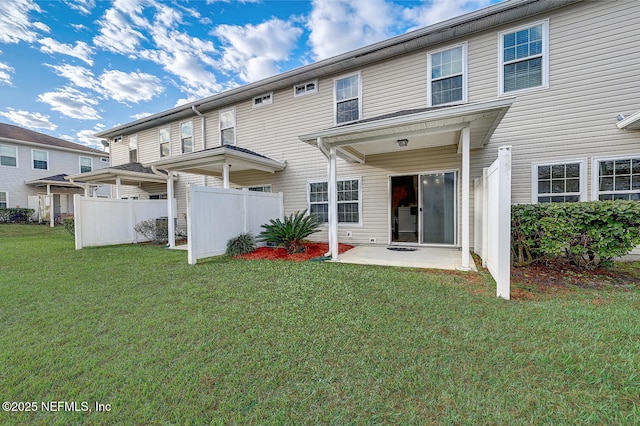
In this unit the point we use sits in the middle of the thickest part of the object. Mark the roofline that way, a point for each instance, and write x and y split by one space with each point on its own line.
511 10
222 150
110 171
630 123
60 148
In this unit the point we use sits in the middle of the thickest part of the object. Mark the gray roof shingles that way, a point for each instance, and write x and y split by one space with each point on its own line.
9 131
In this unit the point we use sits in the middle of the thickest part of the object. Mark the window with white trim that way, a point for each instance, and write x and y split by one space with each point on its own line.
447 76
259 188
164 138
133 148
347 99
8 156
86 164
349 200
4 199
618 179
524 62
104 160
186 137
559 182
228 127
266 99
40 159
305 88
162 196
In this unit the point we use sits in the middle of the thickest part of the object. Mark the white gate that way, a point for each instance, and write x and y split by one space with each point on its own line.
493 194
215 215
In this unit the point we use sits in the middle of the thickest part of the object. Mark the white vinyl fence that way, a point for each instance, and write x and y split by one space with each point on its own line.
493 220
108 221
215 215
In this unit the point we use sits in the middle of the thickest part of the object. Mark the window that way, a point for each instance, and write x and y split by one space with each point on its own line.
8 156
86 164
447 76
347 99
524 58
104 160
164 137
305 88
228 127
265 99
162 196
40 159
559 183
4 199
348 201
133 148
617 179
260 188
186 136
117 139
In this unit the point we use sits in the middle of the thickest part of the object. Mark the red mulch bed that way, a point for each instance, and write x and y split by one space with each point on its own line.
313 250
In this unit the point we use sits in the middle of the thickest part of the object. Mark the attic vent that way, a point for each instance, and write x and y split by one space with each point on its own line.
117 139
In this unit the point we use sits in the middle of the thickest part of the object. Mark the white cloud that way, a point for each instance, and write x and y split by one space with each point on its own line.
71 103
253 51
5 74
86 137
130 87
140 115
78 76
433 11
337 26
15 25
32 120
81 50
116 34
83 6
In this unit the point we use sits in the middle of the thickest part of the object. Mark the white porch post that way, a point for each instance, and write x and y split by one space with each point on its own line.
86 190
464 139
225 175
51 206
118 187
171 227
333 205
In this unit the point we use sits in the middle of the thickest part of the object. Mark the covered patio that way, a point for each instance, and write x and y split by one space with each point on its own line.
411 257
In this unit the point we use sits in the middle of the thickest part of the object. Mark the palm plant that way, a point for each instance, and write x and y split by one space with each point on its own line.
291 232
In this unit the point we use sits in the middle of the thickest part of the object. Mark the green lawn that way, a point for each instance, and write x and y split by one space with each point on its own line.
260 342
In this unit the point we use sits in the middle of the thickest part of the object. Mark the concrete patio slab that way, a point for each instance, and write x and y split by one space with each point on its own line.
422 257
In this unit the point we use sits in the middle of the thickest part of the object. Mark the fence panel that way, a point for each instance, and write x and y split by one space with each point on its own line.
215 215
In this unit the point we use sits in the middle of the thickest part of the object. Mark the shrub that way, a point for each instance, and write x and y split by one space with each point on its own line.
243 243
291 232
154 230
15 215
587 234
70 225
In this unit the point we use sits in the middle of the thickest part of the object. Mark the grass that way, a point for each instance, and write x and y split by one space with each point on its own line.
274 342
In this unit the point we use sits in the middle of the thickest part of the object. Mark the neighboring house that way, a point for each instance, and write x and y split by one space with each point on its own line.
33 167
414 119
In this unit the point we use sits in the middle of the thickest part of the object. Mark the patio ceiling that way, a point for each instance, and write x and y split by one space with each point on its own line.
56 181
423 128
133 174
211 161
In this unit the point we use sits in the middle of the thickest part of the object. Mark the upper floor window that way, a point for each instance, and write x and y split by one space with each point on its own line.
228 127
617 179
86 164
447 76
40 159
164 137
305 88
4 199
348 100
8 156
524 62
133 148
265 99
349 200
559 182
186 136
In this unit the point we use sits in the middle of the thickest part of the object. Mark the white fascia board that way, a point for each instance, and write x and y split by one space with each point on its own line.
630 123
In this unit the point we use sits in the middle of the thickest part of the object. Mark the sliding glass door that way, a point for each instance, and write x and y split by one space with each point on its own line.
438 208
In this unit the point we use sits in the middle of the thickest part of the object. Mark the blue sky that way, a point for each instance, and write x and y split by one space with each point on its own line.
71 68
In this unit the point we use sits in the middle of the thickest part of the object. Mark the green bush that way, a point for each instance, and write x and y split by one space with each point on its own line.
15 215
243 243
154 230
70 225
588 234
291 232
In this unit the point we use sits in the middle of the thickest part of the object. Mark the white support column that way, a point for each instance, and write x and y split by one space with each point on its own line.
118 183
225 175
464 139
51 206
333 205
171 226
86 190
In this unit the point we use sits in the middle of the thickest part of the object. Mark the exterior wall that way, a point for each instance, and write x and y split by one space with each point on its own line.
570 120
12 179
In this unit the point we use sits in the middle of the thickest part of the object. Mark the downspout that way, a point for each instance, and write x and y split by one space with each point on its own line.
204 136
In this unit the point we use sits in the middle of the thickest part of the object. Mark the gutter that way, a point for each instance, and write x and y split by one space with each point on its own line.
204 135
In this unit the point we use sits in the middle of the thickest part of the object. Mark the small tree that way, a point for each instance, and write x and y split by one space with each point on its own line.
291 232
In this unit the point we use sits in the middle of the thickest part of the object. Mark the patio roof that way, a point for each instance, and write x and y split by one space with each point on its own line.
55 181
125 174
423 128
212 161
630 123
